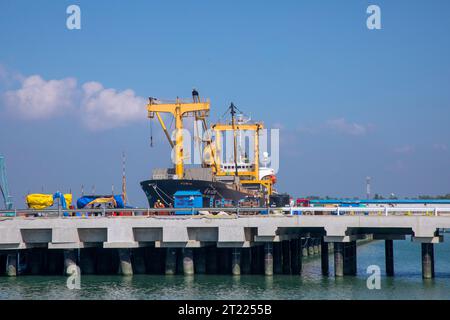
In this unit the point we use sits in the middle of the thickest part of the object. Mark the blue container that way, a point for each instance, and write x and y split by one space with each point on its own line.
187 199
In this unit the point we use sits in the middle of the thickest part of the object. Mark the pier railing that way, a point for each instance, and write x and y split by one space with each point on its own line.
230 211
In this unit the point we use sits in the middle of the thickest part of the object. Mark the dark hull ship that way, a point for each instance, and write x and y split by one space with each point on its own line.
221 183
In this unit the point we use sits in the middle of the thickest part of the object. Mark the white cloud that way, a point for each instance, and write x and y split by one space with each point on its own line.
106 108
97 107
343 126
41 99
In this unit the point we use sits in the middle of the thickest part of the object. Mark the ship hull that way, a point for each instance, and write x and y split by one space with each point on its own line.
214 192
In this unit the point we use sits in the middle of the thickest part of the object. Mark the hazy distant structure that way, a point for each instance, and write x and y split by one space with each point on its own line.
368 187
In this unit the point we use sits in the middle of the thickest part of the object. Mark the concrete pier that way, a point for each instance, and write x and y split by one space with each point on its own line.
47 243
304 243
316 242
211 260
107 261
339 259
257 258
11 264
138 261
427 260
350 261
286 256
54 262
88 260
324 252
268 259
200 260
389 252
236 261
188 261
171 261
295 256
125 265
277 258
70 261
246 261
310 247
35 257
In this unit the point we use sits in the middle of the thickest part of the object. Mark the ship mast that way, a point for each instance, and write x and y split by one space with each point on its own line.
233 112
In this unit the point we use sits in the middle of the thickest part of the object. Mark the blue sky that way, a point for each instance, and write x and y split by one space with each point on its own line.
350 102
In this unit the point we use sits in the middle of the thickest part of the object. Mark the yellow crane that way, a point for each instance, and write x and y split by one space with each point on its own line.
179 110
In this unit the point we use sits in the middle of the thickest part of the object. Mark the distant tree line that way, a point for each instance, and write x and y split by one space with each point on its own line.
381 197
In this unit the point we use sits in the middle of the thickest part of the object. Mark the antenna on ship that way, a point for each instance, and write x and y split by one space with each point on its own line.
233 113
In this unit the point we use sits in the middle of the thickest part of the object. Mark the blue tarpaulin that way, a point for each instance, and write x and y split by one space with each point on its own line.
85 200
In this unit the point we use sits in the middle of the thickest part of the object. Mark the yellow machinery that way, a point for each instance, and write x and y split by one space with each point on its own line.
199 110
179 110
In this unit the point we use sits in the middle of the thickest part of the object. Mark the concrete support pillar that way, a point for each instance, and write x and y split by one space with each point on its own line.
246 261
268 259
255 260
138 261
427 260
11 264
339 259
286 256
316 242
277 258
125 265
35 261
330 247
87 261
70 261
310 246
180 267
389 252
54 262
304 244
236 261
211 260
295 256
350 261
171 261
188 261
324 256
200 260
225 260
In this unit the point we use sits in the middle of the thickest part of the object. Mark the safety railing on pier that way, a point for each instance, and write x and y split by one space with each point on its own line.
231 211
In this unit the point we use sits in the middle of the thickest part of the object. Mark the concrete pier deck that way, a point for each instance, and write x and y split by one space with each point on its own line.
197 231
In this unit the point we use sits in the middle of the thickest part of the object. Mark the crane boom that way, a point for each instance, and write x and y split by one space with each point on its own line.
178 110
